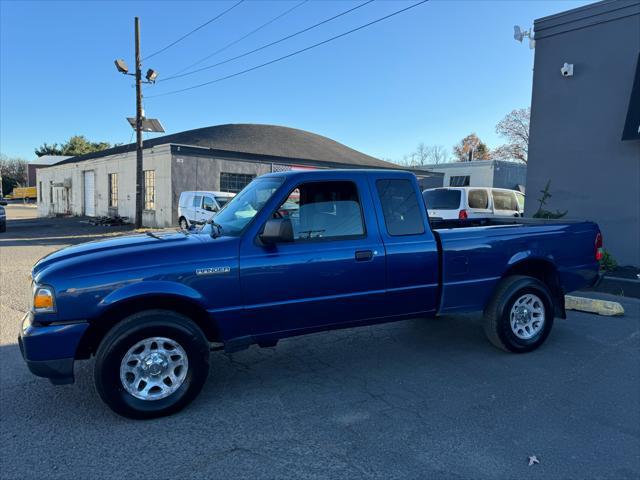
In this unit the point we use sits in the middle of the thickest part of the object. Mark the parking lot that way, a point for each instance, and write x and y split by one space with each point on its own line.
423 398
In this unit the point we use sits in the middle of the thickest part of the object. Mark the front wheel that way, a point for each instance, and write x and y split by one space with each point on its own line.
151 364
519 316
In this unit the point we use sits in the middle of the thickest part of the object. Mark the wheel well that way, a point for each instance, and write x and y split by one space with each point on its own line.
107 320
546 272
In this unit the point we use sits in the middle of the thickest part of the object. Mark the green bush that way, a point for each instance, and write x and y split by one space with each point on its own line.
607 262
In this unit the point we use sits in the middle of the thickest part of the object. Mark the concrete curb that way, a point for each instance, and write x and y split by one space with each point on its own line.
592 305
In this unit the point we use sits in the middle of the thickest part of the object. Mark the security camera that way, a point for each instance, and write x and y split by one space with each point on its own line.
567 70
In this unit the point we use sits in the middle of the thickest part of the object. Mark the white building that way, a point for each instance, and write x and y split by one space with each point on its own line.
222 158
482 173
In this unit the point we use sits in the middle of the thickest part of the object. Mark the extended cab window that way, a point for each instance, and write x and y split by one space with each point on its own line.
400 207
197 201
323 210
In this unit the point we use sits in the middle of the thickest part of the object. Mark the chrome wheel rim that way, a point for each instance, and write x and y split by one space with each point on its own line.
183 225
527 316
154 368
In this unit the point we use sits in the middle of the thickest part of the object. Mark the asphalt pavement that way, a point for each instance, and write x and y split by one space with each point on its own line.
422 398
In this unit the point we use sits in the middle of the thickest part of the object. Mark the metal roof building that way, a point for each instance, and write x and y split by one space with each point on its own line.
223 158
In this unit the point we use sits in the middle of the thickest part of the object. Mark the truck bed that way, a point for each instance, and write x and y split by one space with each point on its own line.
477 253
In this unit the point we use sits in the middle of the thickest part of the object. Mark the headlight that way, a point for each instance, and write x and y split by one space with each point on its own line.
44 300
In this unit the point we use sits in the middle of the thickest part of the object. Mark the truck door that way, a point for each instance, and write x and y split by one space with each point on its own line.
334 270
411 249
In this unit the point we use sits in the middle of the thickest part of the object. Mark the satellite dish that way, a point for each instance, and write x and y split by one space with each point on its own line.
518 34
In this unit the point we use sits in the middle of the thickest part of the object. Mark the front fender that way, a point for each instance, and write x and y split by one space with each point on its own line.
149 288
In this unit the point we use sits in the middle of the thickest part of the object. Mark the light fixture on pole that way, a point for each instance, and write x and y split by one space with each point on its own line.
519 34
139 123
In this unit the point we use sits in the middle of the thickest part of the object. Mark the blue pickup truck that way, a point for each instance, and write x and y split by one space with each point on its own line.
293 253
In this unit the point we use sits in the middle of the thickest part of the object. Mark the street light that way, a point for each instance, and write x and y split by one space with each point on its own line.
151 75
121 65
139 123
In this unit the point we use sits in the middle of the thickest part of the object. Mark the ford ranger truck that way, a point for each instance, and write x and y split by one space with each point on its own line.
293 253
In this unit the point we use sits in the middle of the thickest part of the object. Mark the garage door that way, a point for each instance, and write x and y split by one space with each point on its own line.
89 194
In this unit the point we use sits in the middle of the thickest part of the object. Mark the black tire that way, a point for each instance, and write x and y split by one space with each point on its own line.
184 225
497 322
3 227
133 329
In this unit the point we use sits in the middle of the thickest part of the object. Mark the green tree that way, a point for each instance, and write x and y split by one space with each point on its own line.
76 145
471 143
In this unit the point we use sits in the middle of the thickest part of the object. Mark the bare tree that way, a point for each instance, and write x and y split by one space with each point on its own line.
425 155
515 128
437 154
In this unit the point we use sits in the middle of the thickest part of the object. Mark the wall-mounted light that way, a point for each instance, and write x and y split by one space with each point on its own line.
519 34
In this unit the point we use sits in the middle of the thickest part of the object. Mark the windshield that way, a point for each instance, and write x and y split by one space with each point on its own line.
239 211
442 199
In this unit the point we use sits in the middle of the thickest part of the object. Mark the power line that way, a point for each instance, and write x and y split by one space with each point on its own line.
230 44
226 77
195 30
268 44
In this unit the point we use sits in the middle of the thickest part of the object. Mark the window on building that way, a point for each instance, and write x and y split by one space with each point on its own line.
234 182
478 199
400 207
149 189
459 181
40 192
323 210
113 190
51 193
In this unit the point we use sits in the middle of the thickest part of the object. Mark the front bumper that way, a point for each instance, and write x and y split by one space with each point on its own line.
49 351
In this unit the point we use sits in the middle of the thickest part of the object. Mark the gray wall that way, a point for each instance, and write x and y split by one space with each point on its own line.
577 122
191 172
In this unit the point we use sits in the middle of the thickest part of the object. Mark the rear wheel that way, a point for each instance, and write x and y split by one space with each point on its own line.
184 225
519 316
151 364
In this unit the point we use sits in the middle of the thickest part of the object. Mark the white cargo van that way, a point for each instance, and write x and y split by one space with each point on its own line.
198 207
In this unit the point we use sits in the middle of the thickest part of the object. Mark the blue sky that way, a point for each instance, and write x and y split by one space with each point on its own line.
433 74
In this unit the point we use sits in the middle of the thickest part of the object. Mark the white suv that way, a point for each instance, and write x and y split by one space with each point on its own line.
473 202
199 207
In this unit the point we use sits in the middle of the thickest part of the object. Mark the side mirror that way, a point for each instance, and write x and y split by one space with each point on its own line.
277 230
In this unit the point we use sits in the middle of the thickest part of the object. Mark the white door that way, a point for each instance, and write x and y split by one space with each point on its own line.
89 194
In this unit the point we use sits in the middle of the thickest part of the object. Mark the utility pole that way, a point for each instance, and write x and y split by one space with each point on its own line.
139 173
139 123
